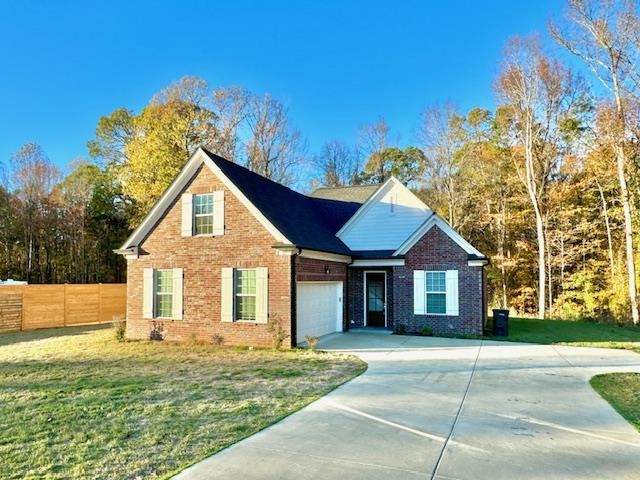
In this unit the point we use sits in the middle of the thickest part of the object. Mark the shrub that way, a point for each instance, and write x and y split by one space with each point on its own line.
400 329
157 331
312 342
120 327
278 334
426 331
218 340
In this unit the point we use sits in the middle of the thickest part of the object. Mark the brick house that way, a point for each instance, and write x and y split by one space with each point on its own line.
224 251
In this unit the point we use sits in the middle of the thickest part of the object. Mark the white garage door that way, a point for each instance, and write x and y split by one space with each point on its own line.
319 308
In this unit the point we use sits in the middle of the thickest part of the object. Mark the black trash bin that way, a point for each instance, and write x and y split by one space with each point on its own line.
501 323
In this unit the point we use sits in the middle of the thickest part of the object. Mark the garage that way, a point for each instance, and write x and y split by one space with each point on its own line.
319 308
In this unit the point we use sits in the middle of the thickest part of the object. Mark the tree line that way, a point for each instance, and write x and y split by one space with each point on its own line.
545 184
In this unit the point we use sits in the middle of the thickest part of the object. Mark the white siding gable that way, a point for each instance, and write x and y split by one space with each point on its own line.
386 220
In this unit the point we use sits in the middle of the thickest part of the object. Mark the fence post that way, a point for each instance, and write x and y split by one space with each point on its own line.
64 295
22 312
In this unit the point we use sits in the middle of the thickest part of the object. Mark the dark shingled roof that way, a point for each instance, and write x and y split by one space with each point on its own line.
355 193
307 222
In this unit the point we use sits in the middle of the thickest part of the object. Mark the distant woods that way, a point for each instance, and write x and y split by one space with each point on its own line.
546 184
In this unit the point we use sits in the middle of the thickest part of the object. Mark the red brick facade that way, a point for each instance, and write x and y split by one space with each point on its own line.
245 244
437 251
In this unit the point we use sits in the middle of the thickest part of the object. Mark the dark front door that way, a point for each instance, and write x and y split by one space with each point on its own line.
376 298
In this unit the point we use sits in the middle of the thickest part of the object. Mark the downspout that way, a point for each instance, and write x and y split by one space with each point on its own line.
294 292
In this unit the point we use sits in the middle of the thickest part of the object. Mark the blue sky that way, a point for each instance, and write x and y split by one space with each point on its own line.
336 64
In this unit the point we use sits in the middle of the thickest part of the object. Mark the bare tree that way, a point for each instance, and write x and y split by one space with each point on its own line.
337 164
442 138
273 148
33 177
538 93
605 34
372 140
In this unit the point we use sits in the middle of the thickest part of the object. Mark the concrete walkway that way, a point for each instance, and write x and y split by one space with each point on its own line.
445 409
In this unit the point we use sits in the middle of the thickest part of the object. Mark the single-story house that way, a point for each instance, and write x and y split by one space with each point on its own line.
225 251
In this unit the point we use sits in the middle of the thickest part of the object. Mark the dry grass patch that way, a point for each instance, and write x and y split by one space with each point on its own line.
75 403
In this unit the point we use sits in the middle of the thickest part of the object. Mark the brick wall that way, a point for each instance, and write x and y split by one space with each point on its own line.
245 244
356 301
436 251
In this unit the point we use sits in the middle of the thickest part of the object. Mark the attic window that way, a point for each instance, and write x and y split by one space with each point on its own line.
203 214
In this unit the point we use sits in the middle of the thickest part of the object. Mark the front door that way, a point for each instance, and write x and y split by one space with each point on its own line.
375 299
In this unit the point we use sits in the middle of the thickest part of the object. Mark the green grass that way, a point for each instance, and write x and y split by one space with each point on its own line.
576 333
75 403
622 391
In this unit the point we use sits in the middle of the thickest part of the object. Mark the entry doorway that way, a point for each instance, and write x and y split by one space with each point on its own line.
375 299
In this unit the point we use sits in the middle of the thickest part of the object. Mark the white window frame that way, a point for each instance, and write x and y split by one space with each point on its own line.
434 292
451 293
157 294
237 294
150 293
211 215
188 223
228 294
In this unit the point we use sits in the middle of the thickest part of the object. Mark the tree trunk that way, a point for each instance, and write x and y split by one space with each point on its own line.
605 214
628 232
532 190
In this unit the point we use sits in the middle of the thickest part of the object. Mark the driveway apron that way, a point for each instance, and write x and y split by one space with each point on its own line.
434 408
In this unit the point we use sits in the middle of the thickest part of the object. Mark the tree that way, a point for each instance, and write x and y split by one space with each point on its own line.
337 164
406 165
443 138
372 140
273 148
539 95
32 179
604 35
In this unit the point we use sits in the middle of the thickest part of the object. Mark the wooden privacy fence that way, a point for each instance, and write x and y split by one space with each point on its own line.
27 307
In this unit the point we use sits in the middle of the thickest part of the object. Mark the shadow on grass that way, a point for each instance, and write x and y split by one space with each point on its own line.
11 338
532 330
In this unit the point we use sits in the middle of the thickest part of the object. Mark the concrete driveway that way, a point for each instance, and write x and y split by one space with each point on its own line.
434 408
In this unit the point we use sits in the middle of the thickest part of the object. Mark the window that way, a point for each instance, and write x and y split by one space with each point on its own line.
163 293
203 214
245 295
436 291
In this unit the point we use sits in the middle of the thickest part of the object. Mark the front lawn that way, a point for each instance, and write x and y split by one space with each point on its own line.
563 332
622 391
74 403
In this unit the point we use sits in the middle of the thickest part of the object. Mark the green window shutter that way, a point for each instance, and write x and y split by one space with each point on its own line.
147 293
176 310
419 292
452 293
187 215
226 295
262 295
218 212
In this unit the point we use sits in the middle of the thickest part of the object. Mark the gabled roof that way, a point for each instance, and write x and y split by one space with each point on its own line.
353 193
306 222
433 221
292 218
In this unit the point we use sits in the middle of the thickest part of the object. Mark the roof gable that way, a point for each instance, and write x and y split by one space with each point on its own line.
435 220
199 158
290 217
386 219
